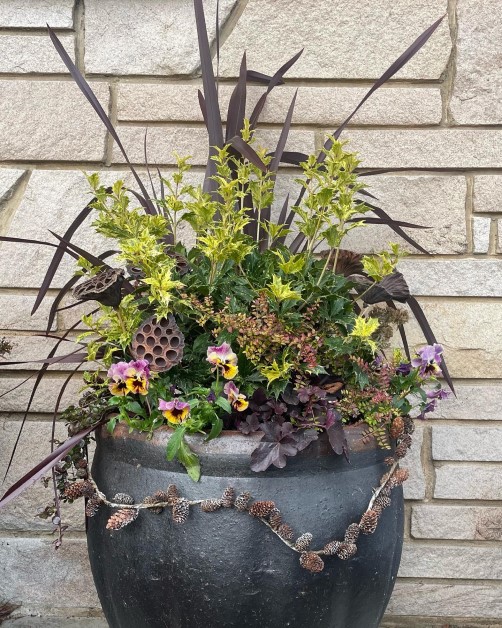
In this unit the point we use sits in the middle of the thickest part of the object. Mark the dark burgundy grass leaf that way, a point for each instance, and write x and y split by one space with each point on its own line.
145 153
370 220
246 151
202 105
429 336
45 465
95 261
392 287
96 105
259 77
213 116
29 241
237 104
63 359
292 157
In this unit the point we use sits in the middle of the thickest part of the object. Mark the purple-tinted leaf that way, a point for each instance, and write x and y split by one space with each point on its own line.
278 442
45 465
336 435
237 104
96 105
292 157
259 77
304 438
246 151
392 287
249 425
370 220
96 261
396 228
202 105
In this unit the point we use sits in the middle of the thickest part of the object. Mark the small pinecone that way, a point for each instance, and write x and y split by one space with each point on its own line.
398 477
152 499
275 518
92 506
81 464
377 508
385 492
368 522
401 450
409 425
383 501
303 542
172 494
122 518
123 498
210 505
161 496
242 501
285 532
79 489
181 510
228 497
397 427
352 533
331 548
261 509
389 461
346 550
311 562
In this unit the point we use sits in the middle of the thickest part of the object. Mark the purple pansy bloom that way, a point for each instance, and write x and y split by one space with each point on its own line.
404 368
428 360
175 411
433 396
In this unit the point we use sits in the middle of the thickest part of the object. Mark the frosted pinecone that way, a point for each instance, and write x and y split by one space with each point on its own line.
210 505
261 508
303 542
242 501
285 532
398 477
383 501
369 522
122 518
123 498
92 506
152 499
172 494
409 425
346 550
331 548
312 562
352 533
181 510
227 499
275 518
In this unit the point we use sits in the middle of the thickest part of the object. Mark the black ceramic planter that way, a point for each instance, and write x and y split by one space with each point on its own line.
226 569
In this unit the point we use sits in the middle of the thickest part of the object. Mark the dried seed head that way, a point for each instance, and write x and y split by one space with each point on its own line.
122 518
92 506
151 499
368 522
160 342
242 501
275 518
123 498
330 549
397 427
261 508
389 461
352 533
210 505
346 550
181 510
303 542
227 499
311 562
104 287
285 532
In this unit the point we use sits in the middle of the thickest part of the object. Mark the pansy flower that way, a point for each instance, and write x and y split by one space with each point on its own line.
118 385
175 411
137 377
433 396
223 358
428 360
237 400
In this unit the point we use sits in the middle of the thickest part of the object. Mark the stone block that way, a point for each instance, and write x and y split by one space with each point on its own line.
41 579
359 40
481 234
427 148
450 442
420 560
487 195
50 120
36 13
465 523
467 481
154 38
45 397
478 76
473 401
441 599
15 312
35 53
176 102
453 277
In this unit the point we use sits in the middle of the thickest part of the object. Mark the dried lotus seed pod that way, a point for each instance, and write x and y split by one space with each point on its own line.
105 287
160 342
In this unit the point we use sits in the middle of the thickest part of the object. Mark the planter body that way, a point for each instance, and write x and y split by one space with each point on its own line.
226 569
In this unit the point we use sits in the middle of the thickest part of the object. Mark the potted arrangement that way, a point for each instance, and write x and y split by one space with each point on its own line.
248 412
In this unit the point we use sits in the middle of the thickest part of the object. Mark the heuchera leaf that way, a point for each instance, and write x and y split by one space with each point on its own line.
336 434
278 442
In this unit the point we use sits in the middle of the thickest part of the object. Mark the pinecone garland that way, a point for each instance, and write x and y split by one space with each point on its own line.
383 501
389 461
160 342
79 489
261 508
228 497
311 562
242 501
152 499
122 518
346 550
397 427
285 532
330 549
398 477
123 498
161 496
401 450
172 494
92 506
409 425
352 533
211 505
275 518
303 542
386 491
369 522
181 510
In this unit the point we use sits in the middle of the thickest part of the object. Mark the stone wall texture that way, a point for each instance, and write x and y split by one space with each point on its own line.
440 118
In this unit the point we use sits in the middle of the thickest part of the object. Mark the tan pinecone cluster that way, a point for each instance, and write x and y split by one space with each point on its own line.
303 542
211 505
261 508
92 506
122 518
123 498
181 510
242 501
79 489
312 562
352 533
275 518
228 497
397 427
285 532
172 494
398 477
331 548
346 550
154 499
369 522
